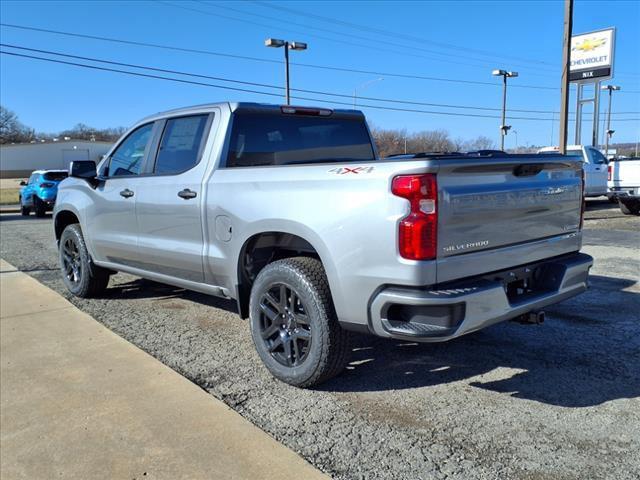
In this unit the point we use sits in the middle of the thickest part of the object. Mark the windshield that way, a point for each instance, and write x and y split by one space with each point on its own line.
55 176
259 140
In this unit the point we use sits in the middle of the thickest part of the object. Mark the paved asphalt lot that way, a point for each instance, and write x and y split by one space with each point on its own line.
558 401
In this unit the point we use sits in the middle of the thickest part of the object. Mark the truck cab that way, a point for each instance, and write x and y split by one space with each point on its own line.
595 167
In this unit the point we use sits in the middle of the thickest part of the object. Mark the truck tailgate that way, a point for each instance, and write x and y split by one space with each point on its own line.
497 203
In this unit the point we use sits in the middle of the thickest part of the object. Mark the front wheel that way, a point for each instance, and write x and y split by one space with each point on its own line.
294 324
79 274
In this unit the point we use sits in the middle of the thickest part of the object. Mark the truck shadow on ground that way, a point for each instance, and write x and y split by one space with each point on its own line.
600 204
581 357
587 353
141 288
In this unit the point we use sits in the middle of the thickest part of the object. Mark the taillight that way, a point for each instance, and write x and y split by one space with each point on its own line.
609 172
46 185
418 231
583 201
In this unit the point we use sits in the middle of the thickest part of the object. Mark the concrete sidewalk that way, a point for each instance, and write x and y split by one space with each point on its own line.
79 402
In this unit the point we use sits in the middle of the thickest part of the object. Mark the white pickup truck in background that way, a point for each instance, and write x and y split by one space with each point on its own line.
595 167
624 184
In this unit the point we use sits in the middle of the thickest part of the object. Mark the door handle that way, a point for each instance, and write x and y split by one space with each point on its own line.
126 193
187 194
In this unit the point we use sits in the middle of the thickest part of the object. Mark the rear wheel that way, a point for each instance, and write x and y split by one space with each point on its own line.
39 207
629 206
294 324
79 274
24 211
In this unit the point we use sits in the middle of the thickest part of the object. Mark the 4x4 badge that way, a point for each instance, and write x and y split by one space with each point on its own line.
355 170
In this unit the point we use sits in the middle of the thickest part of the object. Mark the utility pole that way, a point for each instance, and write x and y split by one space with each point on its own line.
504 128
564 84
275 43
609 132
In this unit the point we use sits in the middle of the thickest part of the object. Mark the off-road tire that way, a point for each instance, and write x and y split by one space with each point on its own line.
330 346
93 280
39 207
629 207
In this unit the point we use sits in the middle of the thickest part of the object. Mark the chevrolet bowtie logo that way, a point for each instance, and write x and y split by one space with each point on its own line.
589 44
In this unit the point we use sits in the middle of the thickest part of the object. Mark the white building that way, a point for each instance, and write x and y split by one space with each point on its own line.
19 160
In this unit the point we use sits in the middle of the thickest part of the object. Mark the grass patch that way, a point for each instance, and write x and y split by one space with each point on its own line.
9 196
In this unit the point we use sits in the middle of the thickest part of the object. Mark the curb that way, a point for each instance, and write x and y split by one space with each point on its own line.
9 208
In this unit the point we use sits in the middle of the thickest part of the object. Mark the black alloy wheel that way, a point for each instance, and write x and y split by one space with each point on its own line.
71 261
80 275
284 326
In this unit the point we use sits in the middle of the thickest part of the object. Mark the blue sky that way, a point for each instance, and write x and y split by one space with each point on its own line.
453 40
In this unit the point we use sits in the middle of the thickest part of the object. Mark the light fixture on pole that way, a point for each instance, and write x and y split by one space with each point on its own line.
362 86
504 128
275 43
610 132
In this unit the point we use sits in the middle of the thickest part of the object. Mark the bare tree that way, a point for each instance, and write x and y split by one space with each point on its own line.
11 129
389 142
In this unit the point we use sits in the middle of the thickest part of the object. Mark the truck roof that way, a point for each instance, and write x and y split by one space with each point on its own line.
248 106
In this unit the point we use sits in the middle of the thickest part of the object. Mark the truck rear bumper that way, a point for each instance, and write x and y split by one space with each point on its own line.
463 307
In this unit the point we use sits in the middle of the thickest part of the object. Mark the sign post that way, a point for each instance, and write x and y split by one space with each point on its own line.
591 62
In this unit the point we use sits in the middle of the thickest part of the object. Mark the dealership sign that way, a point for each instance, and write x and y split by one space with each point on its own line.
592 56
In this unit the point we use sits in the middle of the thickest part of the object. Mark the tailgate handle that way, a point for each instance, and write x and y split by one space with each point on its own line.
527 170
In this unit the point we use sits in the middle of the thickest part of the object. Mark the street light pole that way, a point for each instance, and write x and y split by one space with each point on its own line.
362 86
609 132
287 95
275 43
504 128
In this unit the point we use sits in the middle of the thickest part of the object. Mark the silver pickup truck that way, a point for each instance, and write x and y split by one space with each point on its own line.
289 211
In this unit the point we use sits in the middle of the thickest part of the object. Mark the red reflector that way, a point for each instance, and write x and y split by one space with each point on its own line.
418 231
609 168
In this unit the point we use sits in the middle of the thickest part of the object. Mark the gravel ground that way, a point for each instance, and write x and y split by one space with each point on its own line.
559 401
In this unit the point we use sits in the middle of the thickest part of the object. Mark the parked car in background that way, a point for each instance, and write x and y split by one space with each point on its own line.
624 184
289 211
40 191
595 167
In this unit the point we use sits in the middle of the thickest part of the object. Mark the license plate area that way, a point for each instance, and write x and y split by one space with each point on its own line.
528 282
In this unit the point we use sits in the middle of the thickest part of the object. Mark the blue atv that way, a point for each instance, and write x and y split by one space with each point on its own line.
39 193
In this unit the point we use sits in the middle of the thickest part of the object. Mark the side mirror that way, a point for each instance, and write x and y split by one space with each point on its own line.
85 169
23 183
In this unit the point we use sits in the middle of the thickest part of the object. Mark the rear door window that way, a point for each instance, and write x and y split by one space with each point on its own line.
273 139
181 144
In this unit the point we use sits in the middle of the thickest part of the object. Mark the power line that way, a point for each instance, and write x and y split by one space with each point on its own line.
225 87
263 60
314 35
265 85
485 63
389 33
257 59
